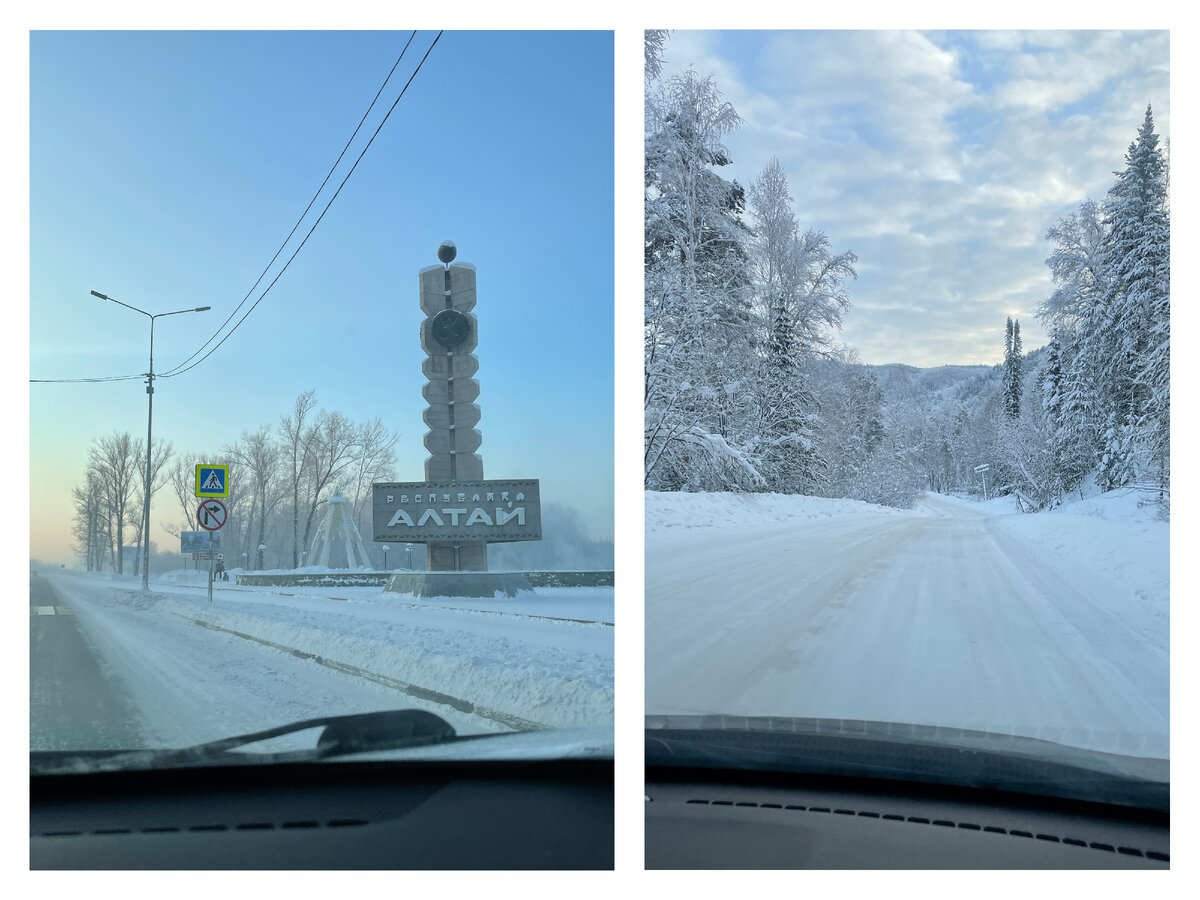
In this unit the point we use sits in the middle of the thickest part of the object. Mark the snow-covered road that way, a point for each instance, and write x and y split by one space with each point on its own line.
264 657
1051 626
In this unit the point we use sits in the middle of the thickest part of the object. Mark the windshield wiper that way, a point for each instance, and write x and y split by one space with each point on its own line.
342 736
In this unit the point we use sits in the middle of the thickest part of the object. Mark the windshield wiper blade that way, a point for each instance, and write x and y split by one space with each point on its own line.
342 736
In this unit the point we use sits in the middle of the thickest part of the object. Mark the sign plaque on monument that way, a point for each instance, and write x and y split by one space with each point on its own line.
490 511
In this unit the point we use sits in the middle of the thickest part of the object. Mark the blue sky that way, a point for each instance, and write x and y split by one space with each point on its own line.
939 158
167 167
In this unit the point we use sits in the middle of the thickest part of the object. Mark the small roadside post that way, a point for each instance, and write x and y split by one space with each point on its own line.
212 481
211 516
983 470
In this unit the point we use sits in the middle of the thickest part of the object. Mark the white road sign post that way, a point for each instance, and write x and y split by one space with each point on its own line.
983 470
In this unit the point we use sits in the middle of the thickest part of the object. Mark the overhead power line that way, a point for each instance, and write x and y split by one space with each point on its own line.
79 380
332 168
184 367
179 370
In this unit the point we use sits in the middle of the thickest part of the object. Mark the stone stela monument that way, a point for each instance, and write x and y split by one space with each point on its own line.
454 512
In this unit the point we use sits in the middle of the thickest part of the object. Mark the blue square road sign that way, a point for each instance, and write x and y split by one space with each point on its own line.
212 481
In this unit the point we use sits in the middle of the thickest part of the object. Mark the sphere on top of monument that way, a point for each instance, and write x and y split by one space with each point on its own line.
447 251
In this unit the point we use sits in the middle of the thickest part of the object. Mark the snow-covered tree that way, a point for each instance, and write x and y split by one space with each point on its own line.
1013 375
1136 303
699 339
1077 267
654 41
1064 408
1110 311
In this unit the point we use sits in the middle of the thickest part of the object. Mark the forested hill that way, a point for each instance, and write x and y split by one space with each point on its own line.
898 378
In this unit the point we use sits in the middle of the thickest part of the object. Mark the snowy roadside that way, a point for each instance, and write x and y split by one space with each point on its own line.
545 670
670 510
1114 539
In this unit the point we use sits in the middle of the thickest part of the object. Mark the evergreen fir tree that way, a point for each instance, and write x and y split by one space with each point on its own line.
1017 364
1136 366
1012 369
697 313
1062 396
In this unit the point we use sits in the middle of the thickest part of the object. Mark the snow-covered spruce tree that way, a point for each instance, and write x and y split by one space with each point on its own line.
1008 331
1136 438
798 300
785 403
785 442
1018 368
1012 369
697 317
1065 400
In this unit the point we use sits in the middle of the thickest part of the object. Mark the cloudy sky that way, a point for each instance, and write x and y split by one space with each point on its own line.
939 158
166 168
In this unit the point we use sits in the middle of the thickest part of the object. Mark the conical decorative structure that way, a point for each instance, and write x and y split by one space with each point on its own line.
337 524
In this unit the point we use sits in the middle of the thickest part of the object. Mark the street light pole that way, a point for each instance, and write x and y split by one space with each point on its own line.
149 426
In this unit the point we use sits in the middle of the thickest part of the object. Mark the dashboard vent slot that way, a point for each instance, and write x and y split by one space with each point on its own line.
211 826
945 823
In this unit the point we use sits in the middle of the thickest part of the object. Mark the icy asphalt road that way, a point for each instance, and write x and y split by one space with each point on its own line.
947 615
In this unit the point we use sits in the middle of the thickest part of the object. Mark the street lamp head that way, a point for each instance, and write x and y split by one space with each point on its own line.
202 309
100 295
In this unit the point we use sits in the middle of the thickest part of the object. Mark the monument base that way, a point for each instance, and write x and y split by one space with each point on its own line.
458 584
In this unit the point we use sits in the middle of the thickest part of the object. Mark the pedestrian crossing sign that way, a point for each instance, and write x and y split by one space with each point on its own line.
212 481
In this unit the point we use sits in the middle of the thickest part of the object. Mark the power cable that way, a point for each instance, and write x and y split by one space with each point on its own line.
78 380
177 370
332 168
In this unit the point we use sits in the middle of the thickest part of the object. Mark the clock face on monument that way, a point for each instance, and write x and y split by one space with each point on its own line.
450 328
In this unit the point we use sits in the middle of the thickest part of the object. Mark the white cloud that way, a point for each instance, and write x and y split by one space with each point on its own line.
940 159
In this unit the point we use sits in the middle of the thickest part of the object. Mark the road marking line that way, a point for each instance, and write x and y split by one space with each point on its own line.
41 610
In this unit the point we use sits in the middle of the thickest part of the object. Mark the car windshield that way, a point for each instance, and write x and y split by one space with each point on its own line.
907 443
289 291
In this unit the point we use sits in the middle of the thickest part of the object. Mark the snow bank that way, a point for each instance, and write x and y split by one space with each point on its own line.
498 668
665 510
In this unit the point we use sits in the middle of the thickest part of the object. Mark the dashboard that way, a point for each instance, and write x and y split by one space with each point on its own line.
328 815
701 819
